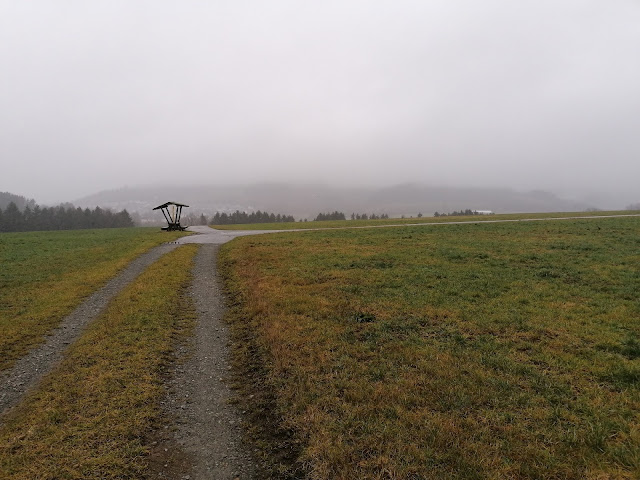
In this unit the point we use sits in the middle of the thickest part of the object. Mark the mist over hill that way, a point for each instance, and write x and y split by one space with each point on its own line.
21 202
305 201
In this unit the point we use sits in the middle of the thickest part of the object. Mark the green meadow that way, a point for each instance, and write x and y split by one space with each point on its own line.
481 351
44 275
415 220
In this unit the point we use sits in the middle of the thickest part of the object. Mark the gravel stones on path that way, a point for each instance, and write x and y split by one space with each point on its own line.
203 437
28 370
208 428
208 235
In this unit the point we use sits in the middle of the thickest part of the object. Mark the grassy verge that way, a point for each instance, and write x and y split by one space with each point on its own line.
467 351
89 418
44 275
410 221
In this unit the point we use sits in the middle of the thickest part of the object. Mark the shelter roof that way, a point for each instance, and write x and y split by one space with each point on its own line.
170 203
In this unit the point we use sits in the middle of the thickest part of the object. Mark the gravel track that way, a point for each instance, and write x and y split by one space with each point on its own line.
207 428
203 438
16 381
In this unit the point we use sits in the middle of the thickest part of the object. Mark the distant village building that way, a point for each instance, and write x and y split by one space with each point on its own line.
483 212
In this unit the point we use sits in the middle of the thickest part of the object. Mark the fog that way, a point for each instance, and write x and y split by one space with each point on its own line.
526 95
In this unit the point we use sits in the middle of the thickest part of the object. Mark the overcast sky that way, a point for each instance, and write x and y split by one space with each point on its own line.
540 94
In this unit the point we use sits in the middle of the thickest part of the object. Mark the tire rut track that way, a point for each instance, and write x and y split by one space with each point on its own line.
207 427
26 373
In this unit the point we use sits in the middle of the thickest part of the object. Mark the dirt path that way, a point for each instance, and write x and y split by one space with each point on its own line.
29 369
207 427
207 433
218 237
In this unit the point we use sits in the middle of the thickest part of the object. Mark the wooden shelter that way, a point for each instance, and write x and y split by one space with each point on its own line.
172 212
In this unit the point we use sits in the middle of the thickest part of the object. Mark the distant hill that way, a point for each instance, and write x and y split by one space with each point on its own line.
21 202
305 201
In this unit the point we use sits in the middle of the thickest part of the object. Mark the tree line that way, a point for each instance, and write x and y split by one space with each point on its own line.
461 213
239 217
373 216
330 216
194 219
36 218
354 216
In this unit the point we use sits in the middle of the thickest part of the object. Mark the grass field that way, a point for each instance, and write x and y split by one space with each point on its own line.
44 275
415 220
464 351
92 416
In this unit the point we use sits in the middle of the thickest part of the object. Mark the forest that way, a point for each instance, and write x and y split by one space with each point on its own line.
36 218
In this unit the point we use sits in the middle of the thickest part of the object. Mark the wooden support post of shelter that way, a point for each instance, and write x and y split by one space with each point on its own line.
172 216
